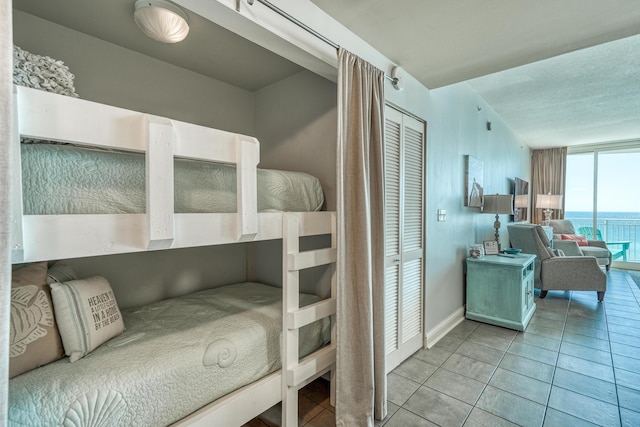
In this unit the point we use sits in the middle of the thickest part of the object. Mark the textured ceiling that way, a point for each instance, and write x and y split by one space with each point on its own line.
443 42
588 96
581 95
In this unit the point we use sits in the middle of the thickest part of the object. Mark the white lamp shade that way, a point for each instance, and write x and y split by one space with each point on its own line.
498 204
521 201
548 201
161 20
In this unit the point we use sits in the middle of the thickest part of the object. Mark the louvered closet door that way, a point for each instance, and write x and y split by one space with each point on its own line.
404 235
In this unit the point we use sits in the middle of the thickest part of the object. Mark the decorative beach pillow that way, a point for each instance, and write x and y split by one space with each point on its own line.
582 240
34 339
87 313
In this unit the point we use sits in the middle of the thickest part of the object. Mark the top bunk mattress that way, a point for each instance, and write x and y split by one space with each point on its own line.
66 179
175 356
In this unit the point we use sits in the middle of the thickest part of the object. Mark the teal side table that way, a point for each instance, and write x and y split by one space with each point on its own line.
500 290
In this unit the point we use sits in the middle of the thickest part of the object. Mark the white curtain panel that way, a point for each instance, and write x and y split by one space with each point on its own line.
361 391
6 99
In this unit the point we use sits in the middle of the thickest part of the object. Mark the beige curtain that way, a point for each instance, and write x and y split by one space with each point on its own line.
6 91
361 380
548 175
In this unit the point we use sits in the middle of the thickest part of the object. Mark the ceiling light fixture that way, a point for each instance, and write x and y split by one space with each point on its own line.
397 78
161 20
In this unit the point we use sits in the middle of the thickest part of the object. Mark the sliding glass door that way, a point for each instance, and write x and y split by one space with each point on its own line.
580 197
602 198
618 207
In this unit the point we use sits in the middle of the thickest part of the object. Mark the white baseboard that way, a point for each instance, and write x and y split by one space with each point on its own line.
444 327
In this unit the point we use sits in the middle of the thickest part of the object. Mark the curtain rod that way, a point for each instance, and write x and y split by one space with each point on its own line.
395 81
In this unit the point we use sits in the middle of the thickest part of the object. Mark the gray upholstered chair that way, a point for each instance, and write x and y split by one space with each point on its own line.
595 248
553 272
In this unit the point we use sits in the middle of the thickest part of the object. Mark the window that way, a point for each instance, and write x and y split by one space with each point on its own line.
602 197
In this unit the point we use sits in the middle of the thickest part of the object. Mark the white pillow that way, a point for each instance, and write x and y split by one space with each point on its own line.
87 314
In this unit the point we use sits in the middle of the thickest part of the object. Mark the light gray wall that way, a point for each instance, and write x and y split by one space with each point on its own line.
456 127
141 278
296 124
112 75
265 265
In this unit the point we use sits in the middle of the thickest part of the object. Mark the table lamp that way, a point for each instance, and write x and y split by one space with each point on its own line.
498 204
548 202
520 202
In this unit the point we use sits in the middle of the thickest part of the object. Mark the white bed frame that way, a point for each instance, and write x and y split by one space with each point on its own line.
47 116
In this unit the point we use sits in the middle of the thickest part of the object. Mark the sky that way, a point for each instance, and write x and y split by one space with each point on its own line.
618 182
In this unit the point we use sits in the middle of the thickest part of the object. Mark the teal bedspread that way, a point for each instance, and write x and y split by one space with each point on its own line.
66 179
174 357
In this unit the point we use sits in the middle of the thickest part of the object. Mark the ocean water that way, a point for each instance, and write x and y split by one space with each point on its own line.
613 226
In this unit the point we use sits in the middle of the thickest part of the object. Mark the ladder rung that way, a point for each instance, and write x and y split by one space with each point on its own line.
316 362
311 313
312 223
307 259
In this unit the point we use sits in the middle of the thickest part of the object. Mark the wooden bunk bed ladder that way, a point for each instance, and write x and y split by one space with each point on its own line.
298 373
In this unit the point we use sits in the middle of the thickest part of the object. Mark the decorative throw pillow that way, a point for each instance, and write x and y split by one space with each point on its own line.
34 338
87 313
42 72
582 240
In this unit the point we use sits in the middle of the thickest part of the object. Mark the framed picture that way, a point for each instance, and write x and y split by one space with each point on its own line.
473 182
490 247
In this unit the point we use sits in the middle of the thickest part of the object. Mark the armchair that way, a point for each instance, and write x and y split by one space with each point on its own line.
620 247
553 272
595 248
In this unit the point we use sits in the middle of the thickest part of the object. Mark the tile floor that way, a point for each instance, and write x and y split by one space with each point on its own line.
577 364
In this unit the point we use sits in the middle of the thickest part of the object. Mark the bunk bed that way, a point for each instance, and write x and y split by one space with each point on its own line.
39 234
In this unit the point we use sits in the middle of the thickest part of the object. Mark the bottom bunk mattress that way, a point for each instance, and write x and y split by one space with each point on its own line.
66 179
175 356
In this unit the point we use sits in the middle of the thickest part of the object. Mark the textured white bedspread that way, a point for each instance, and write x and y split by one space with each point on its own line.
175 356
65 179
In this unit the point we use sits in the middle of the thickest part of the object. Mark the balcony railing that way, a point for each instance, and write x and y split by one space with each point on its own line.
621 234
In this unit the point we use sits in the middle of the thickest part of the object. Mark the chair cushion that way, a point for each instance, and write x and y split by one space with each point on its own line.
595 251
582 240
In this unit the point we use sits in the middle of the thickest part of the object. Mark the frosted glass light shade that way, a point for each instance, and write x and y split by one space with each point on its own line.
161 20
